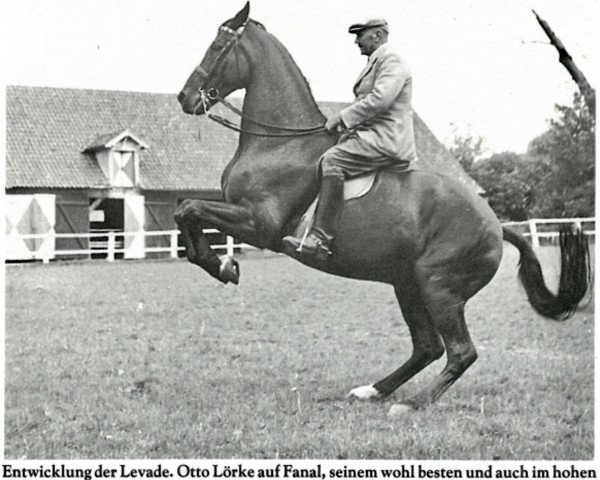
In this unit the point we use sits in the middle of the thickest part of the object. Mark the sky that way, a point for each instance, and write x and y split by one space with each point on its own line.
480 67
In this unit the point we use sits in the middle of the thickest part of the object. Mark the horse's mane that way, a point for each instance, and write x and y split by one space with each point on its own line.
284 49
257 23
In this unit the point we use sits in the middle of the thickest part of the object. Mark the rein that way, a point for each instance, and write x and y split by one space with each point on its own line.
212 95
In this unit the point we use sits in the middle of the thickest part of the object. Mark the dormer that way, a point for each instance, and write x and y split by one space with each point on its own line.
118 156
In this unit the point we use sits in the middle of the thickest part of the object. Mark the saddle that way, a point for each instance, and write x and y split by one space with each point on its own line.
353 188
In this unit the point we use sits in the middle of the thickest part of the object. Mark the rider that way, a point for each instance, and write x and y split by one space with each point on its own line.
377 132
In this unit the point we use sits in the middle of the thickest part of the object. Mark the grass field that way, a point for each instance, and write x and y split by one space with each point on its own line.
155 359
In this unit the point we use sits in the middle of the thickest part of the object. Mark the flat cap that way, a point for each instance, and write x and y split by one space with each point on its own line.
374 22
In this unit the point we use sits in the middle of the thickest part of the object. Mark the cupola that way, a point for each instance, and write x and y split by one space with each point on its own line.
118 156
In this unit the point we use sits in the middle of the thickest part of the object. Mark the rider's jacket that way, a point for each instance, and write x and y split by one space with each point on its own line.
381 114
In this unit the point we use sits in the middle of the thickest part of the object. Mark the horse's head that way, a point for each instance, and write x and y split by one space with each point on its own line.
222 70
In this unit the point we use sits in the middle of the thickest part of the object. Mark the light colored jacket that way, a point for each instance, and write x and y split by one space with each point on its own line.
381 114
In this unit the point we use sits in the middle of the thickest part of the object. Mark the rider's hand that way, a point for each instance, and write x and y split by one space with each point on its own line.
333 122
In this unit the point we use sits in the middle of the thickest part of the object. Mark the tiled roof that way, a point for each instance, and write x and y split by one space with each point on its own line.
47 130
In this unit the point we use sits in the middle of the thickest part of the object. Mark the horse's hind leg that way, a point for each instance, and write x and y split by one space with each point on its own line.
447 313
427 345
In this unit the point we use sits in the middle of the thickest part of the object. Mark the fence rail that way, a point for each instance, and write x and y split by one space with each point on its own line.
535 234
112 243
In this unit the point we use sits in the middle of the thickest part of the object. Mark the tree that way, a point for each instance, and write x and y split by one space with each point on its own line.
565 163
566 151
506 179
555 178
565 58
466 149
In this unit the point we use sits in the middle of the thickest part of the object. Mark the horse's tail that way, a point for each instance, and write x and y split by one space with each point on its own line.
575 273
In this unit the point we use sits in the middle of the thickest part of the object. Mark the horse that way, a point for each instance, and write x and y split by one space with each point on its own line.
430 237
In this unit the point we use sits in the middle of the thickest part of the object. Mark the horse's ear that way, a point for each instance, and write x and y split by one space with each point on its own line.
241 17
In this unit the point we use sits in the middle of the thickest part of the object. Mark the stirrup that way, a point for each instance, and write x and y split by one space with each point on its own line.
320 249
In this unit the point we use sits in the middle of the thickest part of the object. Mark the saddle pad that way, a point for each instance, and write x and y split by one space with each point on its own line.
354 188
358 186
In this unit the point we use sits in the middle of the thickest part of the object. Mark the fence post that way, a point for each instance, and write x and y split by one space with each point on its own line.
45 250
578 225
230 246
174 235
110 254
535 241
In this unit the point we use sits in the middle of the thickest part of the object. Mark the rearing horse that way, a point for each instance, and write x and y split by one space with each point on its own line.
429 236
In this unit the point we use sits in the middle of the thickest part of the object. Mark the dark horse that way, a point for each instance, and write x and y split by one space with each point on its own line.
430 237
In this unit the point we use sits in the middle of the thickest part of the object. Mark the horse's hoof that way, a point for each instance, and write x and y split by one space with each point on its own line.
229 270
366 392
399 410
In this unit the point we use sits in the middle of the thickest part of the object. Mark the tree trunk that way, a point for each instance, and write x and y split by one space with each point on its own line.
565 58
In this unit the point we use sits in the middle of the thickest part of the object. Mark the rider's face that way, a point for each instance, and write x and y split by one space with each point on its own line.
367 41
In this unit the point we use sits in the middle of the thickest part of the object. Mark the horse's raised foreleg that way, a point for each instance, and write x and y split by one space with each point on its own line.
192 216
427 345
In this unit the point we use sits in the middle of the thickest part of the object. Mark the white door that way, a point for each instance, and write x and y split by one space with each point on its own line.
30 221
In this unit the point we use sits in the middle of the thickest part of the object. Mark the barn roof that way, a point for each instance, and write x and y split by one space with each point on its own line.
51 131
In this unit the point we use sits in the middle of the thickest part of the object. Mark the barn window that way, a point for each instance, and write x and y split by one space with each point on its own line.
124 168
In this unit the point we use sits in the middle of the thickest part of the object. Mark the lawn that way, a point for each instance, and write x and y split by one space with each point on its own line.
155 359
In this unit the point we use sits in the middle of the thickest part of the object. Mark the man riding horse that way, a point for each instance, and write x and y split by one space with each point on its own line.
378 132
428 235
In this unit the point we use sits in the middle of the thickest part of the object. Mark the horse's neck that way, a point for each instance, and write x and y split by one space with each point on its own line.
277 93
287 107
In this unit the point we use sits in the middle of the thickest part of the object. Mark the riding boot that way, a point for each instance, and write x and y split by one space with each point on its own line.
318 242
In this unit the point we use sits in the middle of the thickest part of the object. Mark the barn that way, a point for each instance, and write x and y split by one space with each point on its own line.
95 161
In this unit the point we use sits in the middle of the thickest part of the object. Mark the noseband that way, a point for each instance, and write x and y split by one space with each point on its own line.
212 95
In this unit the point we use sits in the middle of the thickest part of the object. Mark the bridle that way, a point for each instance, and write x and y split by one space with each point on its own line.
212 95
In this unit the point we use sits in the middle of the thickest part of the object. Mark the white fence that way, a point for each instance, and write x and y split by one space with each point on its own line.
538 228
111 242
